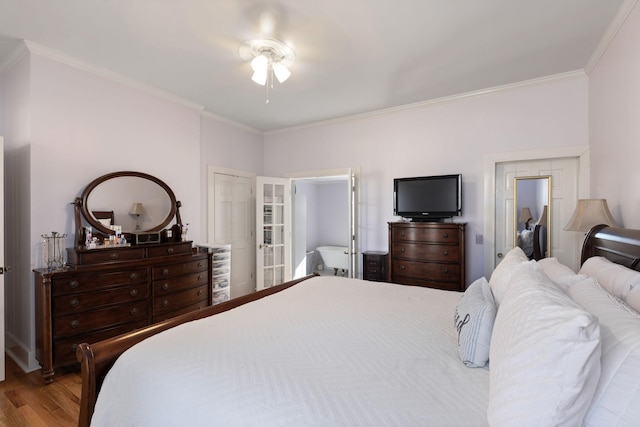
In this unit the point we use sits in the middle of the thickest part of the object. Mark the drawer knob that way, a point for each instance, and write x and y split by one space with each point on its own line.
133 292
73 284
402 250
402 233
165 303
74 302
199 278
446 252
74 347
114 255
446 271
170 250
200 292
446 235
165 286
134 311
165 271
402 267
199 265
133 276
75 324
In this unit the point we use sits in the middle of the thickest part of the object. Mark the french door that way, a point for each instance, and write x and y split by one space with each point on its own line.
273 231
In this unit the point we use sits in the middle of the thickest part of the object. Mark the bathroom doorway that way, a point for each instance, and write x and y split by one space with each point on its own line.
324 232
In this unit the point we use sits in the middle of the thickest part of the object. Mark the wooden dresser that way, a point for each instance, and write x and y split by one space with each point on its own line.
428 254
110 291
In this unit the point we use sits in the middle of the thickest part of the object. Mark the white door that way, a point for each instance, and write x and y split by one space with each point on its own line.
564 193
2 356
273 235
353 215
231 222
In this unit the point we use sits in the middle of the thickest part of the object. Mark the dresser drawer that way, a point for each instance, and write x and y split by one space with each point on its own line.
165 250
178 300
426 252
413 281
432 235
188 309
79 323
76 303
103 256
178 269
427 270
83 283
170 285
64 349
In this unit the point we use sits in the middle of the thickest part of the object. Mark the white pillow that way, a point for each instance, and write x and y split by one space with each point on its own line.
499 280
617 398
474 317
545 355
633 298
615 278
560 274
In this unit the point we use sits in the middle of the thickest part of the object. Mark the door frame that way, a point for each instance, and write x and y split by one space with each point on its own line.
353 174
490 162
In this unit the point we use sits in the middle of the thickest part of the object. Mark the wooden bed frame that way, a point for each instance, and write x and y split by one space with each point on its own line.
619 245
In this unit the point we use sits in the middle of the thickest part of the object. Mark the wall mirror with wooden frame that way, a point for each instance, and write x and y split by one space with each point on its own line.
135 201
532 215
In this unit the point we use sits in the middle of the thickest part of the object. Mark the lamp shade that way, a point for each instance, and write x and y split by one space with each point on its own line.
282 73
137 209
543 218
589 213
260 64
525 215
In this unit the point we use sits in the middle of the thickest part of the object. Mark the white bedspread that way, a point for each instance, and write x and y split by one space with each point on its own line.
327 352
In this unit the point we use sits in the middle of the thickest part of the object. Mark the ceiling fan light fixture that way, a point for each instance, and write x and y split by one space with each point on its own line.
269 57
282 73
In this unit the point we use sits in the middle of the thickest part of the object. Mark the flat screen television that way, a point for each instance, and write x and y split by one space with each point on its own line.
428 198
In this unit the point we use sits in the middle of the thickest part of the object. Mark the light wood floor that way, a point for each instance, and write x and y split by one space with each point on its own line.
26 401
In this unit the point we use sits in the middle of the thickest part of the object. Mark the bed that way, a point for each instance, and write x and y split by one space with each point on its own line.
338 351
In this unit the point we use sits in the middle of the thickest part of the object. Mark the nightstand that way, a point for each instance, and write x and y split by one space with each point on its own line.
374 266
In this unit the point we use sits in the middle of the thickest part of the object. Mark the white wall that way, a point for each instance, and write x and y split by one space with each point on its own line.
614 124
439 138
67 126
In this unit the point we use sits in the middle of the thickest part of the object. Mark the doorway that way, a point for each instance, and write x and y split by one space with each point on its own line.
324 215
570 241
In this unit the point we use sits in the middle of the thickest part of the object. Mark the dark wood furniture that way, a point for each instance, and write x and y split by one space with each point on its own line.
108 290
102 298
374 266
430 254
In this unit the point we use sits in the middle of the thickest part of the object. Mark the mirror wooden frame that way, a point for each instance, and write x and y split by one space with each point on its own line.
538 251
82 208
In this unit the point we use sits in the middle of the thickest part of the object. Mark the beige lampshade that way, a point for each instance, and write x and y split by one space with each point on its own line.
589 213
137 209
525 215
543 218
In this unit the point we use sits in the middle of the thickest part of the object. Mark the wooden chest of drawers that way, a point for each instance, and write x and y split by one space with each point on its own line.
112 294
427 254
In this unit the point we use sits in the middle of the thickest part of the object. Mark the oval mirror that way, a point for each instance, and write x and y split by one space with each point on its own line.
133 200
532 215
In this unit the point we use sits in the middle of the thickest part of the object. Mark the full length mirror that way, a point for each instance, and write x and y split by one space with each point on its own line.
133 200
532 215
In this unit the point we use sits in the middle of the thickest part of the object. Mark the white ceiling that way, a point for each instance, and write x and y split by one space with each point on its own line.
352 56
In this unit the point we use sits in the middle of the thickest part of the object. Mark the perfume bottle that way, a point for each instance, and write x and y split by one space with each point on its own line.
88 232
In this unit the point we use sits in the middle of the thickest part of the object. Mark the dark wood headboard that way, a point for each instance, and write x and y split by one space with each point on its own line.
619 245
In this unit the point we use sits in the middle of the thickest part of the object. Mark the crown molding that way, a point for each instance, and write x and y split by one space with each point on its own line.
623 13
421 104
108 74
13 57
